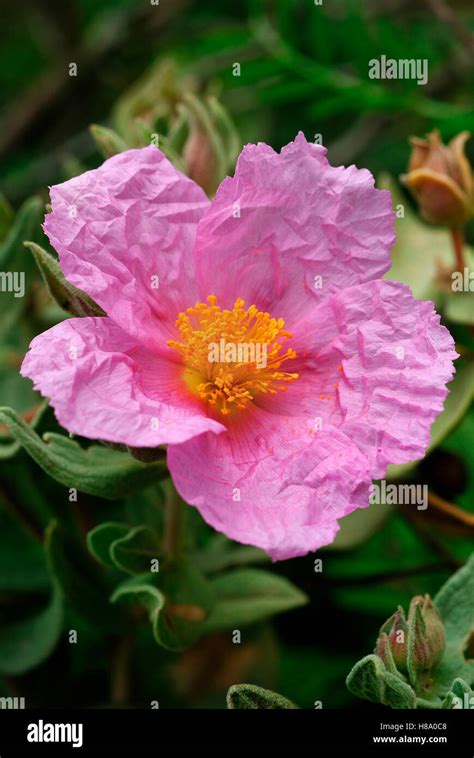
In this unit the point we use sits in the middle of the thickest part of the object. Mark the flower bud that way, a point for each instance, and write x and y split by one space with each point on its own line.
412 645
392 643
108 142
441 180
200 160
207 155
428 633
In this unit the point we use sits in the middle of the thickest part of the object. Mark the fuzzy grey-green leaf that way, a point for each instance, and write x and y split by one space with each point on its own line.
249 696
67 296
97 470
369 679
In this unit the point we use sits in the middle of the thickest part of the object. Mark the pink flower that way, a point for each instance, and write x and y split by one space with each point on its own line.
347 372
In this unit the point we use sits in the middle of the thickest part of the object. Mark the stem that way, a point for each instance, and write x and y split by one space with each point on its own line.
451 510
173 522
457 236
429 538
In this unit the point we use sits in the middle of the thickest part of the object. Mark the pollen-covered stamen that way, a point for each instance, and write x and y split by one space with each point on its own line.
231 356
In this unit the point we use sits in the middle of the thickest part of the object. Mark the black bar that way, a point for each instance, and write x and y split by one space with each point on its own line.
161 731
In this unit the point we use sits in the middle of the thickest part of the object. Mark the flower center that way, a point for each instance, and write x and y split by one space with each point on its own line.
231 356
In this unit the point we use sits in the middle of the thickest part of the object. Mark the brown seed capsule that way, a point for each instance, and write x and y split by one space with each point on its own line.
441 180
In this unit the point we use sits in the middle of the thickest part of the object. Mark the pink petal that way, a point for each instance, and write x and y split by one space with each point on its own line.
293 484
103 385
284 219
117 227
381 360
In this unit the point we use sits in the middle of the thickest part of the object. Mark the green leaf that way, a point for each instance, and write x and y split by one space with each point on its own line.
455 602
246 596
27 643
459 307
179 132
459 696
14 259
138 589
97 470
6 216
189 601
461 394
102 536
67 296
22 562
221 553
108 142
178 600
359 525
134 551
250 696
370 680
423 258
79 578
27 217
9 448
228 130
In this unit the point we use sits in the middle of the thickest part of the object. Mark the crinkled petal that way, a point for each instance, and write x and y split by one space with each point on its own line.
103 385
125 234
378 361
286 219
272 483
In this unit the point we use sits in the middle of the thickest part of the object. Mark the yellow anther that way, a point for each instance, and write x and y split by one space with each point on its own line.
232 356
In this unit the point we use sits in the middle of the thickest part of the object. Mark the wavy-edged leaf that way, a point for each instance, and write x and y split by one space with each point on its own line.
178 600
370 680
101 538
134 551
79 579
97 470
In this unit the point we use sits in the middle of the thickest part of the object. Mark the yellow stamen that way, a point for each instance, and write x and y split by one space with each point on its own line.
231 356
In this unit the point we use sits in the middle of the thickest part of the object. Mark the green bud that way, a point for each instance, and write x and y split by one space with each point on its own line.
412 646
204 151
427 636
108 142
393 641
